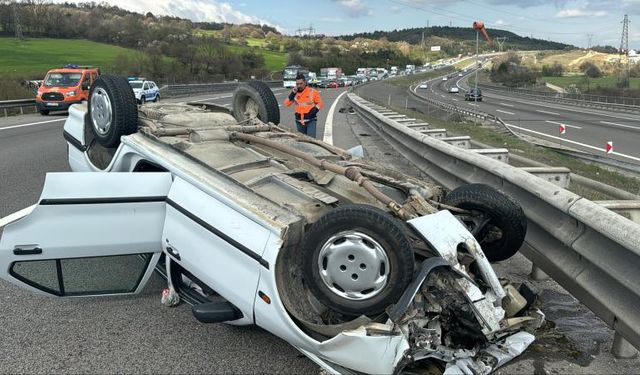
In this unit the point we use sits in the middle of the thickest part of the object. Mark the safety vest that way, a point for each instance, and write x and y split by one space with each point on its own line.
305 101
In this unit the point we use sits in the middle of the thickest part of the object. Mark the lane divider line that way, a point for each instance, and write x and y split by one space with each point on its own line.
622 125
565 124
599 149
548 112
32 124
508 105
501 111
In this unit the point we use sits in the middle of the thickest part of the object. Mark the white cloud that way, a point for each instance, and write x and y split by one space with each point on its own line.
501 22
355 8
195 10
577 13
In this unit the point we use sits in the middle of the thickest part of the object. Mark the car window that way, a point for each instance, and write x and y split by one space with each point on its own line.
145 86
136 85
153 85
84 276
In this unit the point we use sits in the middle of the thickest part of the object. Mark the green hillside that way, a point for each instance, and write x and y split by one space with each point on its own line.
35 56
273 61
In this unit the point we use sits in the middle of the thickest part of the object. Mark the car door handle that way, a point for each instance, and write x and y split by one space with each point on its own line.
173 252
34 250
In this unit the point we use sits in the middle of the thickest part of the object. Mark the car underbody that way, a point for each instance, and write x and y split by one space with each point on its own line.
370 270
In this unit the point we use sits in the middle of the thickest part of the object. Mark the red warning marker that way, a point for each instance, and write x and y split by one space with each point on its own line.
609 147
563 129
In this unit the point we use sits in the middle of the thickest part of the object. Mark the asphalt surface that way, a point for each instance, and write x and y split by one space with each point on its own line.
586 129
126 334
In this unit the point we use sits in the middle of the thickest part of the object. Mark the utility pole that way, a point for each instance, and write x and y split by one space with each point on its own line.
16 22
590 37
624 49
422 42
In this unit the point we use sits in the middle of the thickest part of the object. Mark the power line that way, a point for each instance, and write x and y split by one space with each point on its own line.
590 37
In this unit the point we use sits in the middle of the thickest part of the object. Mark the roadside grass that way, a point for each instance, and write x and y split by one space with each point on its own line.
255 42
33 57
274 61
583 83
488 136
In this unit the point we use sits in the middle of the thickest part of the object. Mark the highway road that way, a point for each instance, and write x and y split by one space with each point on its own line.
586 129
127 334
138 335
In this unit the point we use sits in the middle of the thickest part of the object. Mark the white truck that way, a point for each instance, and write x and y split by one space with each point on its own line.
409 69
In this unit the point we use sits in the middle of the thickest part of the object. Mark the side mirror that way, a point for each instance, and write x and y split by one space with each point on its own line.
85 85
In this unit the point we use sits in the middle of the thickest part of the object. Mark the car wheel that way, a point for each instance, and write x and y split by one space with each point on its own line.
357 260
112 110
255 99
142 100
156 99
497 222
44 112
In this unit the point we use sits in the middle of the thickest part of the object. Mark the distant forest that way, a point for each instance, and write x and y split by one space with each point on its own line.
466 34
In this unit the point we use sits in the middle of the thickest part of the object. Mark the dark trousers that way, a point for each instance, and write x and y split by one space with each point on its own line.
309 127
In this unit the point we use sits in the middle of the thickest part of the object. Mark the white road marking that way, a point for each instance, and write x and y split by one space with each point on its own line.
16 215
548 112
454 99
622 125
565 124
31 124
501 111
327 137
474 105
600 149
508 105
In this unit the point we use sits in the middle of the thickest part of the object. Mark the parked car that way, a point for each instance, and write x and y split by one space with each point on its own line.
144 90
422 86
454 90
361 268
445 78
63 87
333 84
474 95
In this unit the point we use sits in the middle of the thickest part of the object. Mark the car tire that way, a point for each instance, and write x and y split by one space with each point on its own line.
503 215
156 99
255 98
377 250
142 100
112 110
44 112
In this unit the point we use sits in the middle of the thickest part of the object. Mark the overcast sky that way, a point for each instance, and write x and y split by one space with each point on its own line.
566 21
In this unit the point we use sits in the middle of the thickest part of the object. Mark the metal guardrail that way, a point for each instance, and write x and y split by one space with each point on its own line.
203 88
617 103
591 251
19 103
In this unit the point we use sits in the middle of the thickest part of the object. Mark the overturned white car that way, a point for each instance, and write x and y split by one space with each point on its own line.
361 268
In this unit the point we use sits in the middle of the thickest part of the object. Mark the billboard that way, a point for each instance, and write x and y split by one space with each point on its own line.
435 48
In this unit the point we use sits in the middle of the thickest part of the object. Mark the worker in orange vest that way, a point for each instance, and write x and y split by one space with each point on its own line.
308 103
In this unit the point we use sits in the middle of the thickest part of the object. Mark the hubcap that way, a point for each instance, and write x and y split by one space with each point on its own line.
353 266
101 111
251 108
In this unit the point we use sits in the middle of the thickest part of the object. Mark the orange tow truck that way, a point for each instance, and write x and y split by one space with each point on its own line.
65 86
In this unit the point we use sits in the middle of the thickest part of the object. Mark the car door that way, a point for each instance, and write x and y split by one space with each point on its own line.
90 234
145 90
217 243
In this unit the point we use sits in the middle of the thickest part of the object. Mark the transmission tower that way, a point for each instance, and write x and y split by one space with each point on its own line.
16 21
590 37
500 40
624 49
306 31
